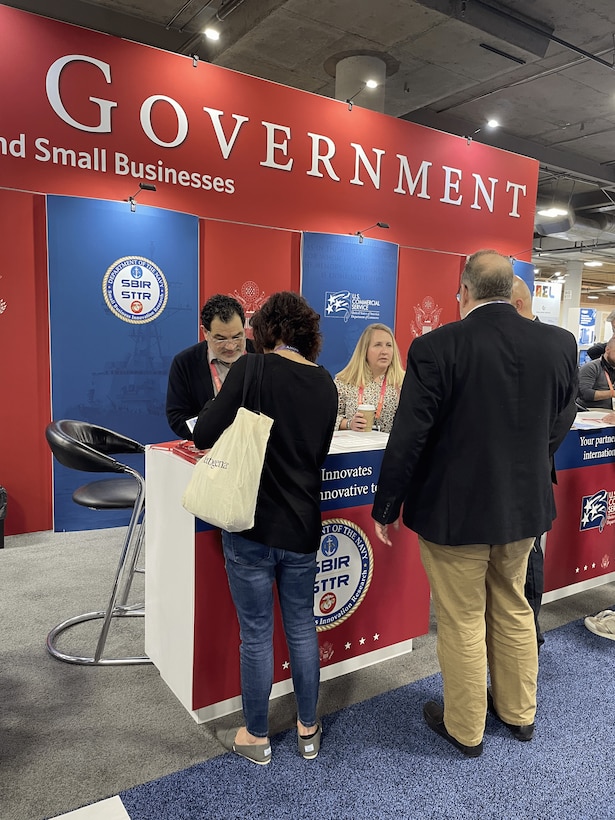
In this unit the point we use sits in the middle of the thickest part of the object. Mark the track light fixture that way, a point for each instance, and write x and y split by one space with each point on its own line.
367 84
491 124
376 225
143 186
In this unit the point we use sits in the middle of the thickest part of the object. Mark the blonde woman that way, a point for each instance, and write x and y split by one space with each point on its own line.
373 375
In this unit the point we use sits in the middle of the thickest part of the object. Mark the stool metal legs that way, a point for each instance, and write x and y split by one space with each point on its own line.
117 607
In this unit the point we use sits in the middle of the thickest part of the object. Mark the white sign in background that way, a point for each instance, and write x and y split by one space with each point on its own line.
547 301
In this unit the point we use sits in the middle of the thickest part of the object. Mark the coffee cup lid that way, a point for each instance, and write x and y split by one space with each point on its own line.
366 407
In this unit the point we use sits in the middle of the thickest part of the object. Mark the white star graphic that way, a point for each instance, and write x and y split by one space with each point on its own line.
577 569
594 565
285 665
361 641
585 568
376 636
348 645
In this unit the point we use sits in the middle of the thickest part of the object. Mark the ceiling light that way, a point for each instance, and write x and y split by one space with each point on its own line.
593 264
371 84
610 287
493 123
552 212
212 34
592 297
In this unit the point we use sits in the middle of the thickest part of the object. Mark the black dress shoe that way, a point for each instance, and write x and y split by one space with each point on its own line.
518 732
434 718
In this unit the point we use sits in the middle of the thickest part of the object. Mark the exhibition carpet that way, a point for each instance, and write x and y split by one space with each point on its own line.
379 759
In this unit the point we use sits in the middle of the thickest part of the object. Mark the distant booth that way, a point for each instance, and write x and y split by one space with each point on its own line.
580 549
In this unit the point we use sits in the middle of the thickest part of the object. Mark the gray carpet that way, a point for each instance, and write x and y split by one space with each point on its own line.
71 735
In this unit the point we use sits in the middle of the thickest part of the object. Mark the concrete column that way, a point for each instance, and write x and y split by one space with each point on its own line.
571 298
352 73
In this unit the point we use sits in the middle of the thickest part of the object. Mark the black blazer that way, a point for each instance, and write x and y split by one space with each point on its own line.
190 386
485 403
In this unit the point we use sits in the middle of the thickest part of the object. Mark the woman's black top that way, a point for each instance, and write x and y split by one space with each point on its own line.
302 401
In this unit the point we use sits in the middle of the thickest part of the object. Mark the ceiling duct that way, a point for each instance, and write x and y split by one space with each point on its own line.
574 228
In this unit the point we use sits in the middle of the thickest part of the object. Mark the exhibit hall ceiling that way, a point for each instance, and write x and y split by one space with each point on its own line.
543 69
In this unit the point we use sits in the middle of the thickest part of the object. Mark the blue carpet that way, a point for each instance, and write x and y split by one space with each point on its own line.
379 759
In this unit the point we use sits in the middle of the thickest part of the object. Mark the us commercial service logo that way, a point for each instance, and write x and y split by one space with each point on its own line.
597 510
135 289
342 304
345 564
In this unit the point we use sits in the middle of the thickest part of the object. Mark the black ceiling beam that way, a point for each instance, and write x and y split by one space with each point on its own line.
554 158
517 30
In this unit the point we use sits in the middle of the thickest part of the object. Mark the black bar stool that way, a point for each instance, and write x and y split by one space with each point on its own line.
87 447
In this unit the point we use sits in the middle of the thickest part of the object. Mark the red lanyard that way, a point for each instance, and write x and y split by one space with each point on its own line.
380 400
608 378
215 377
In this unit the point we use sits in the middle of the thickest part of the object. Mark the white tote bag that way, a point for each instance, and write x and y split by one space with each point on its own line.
224 484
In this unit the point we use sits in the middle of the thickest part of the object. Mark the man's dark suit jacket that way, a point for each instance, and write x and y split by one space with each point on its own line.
485 403
190 386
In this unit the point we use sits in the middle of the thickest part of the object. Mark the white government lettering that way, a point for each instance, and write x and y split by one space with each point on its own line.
516 189
226 146
145 116
272 146
451 184
52 87
278 142
404 169
324 158
361 158
480 186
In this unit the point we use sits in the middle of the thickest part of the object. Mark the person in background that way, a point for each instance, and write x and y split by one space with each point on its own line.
373 375
597 379
595 351
281 548
521 299
472 467
198 372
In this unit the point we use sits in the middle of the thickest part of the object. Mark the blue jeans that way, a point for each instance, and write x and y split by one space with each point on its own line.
252 568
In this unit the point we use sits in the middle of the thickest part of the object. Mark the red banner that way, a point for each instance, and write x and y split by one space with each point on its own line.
25 408
105 114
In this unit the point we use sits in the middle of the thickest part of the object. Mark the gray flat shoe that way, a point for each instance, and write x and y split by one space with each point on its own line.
260 754
310 746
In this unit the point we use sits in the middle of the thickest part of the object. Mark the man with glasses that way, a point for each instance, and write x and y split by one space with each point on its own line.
197 373
485 403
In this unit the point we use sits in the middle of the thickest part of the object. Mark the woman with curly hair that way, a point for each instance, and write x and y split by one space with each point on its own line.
373 375
281 548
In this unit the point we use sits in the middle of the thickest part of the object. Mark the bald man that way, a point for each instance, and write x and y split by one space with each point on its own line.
476 488
521 298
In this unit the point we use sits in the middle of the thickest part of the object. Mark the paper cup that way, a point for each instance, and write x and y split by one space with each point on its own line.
367 411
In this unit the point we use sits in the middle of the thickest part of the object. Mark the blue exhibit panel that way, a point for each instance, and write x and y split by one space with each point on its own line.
123 294
351 284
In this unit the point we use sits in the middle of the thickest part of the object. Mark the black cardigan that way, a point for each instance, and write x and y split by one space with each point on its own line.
302 401
190 386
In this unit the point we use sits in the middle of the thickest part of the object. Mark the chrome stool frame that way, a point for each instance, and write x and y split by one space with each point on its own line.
87 447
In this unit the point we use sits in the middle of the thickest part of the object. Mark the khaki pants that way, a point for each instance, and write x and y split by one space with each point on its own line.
483 617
